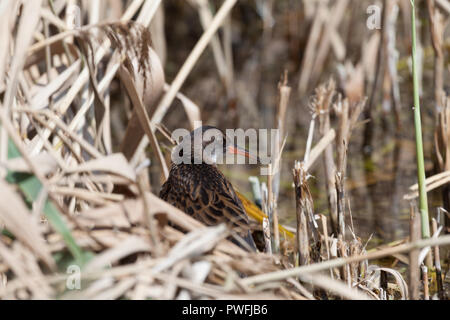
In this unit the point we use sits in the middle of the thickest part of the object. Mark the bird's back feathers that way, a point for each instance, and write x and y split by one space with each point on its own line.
204 193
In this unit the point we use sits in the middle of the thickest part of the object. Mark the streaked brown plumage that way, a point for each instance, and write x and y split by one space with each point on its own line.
203 192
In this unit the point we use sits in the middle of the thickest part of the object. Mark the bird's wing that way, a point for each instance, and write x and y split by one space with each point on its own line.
211 200
165 191
220 204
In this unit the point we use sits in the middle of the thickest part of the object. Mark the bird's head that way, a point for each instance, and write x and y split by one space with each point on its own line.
208 144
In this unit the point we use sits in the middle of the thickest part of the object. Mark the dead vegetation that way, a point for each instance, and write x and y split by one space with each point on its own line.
80 104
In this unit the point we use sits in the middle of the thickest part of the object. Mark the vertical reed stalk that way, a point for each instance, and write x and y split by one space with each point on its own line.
325 96
302 223
426 290
423 203
267 237
414 271
272 214
274 184
437 263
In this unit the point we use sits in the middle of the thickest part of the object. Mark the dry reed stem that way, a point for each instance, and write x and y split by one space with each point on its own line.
335 286
433 182
320 147
321 105
273 186
407 247
301 199
270 205
144 119
426 289
309 139
437 263
267 237
414 270
347 117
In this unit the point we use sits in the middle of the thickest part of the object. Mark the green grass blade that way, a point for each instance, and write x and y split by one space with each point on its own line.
423 202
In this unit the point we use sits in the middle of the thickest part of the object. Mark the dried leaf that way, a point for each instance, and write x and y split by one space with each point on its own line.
18 220
114 164
47 164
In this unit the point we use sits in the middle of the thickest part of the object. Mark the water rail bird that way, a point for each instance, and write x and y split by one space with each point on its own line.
197 187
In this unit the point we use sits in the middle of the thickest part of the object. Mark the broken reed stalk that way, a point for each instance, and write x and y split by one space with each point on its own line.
426 289
320 146
347 116
284 94
423 202
321 105
310 138
341 108
267 237
414 270
323 219
340 198
302 222
437 263
355 267
342 252
274 185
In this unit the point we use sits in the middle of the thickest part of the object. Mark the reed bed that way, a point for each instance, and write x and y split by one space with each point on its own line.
84 111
